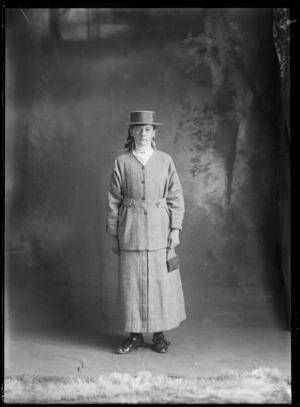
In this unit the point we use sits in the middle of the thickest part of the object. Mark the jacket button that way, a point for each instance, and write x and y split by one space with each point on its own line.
145 213
143 198
143 168
143 182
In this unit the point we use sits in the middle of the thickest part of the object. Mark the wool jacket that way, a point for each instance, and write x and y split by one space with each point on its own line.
144 202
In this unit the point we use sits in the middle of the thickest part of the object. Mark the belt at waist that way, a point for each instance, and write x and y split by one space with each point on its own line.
159 202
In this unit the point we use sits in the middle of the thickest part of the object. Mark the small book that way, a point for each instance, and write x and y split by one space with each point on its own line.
172 262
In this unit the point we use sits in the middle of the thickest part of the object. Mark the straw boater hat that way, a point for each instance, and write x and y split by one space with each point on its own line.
143 117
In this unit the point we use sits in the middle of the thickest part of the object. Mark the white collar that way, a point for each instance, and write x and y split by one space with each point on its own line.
143 150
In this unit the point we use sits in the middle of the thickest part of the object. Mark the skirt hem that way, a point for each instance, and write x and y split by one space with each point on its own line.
156 329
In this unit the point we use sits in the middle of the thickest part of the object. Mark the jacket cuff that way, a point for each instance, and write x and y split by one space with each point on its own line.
112 230
112 234
176 223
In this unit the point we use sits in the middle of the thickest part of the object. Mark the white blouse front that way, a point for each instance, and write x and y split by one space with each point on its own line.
143 153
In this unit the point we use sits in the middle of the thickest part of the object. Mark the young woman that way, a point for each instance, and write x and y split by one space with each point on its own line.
145 210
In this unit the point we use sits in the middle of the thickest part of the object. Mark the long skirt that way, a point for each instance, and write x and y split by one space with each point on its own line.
150 298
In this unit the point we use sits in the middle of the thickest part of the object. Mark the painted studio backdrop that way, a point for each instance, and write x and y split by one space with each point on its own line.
218 80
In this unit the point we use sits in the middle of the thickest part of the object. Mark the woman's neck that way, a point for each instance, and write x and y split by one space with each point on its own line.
146 148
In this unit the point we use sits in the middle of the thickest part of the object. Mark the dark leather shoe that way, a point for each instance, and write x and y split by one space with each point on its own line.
161 344
133 342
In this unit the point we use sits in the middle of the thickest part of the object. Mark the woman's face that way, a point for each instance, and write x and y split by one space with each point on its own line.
143 134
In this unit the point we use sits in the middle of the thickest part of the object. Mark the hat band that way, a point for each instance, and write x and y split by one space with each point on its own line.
143 117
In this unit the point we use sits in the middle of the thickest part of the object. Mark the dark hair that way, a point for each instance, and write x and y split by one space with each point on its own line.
130 140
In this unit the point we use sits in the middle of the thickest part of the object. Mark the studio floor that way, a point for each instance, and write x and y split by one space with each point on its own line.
194 352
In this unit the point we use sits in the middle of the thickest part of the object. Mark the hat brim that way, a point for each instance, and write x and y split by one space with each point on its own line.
154 124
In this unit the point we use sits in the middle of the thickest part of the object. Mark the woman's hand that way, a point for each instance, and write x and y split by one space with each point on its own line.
115 245
173 239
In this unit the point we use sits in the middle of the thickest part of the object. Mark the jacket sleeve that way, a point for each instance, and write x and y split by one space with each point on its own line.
175 199
114 200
